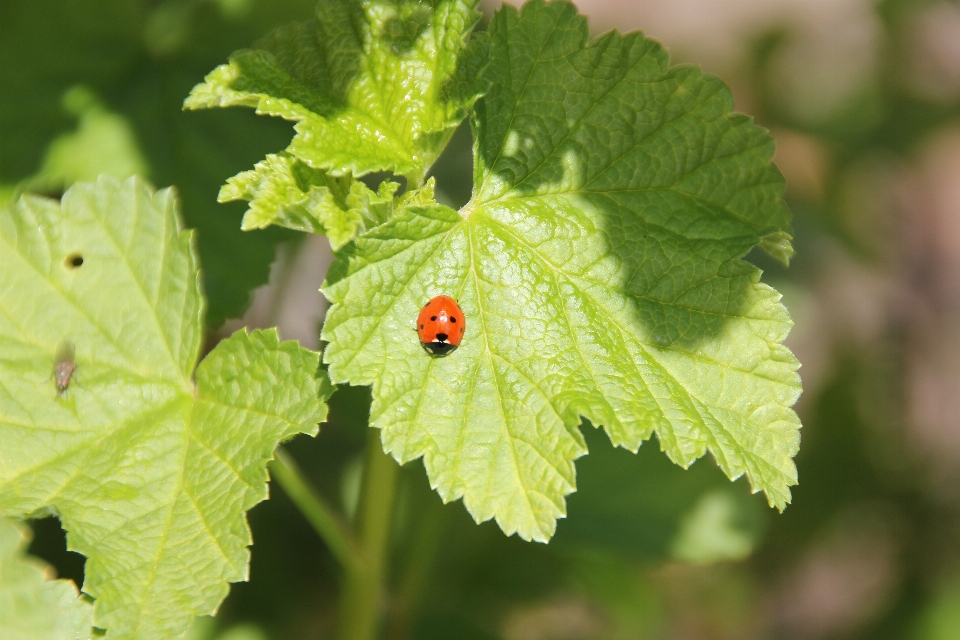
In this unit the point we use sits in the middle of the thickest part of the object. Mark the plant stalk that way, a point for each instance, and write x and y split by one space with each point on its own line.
416 572
361 597
324 519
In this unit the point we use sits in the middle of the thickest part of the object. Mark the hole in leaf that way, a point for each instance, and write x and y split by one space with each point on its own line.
73 261
50 544
454 168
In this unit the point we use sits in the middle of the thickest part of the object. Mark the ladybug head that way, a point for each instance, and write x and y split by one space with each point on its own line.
438 348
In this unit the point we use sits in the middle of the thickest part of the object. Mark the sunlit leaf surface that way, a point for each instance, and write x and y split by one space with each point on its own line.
149 460
599 267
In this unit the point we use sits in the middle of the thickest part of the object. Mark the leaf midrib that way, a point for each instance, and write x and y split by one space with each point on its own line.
503 412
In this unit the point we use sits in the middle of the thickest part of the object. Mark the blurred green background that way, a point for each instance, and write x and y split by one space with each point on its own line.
864 100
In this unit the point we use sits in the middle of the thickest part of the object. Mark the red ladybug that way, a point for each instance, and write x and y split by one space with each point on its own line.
440 326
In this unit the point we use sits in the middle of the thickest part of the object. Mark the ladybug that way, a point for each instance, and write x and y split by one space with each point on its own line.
440 326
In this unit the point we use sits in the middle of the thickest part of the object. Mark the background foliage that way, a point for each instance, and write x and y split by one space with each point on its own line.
864 101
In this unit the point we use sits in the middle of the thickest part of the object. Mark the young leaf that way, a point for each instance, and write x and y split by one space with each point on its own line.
373 85
599 268
32 607
285 191
149 470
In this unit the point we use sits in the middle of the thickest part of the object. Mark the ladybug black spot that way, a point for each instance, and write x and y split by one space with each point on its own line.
453 318
461 329
442 337
421 326
433 318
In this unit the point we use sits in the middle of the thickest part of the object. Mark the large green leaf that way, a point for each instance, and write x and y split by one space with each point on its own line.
31 607
149 465
373 85
599 267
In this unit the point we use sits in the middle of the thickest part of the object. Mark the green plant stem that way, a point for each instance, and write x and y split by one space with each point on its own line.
414 180
416 571
360 599
318 513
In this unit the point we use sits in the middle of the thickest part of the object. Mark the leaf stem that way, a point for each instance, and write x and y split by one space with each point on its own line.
315 509
415 180
360 599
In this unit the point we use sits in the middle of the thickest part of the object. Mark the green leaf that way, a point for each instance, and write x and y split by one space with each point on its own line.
373 85
32 607
287 192
599 268
103 143
284 191
149 469
713 532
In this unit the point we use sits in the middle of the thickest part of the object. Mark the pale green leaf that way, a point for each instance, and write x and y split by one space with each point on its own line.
149 465
373 85
599 268
104 143
713 531
32 607
287 192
